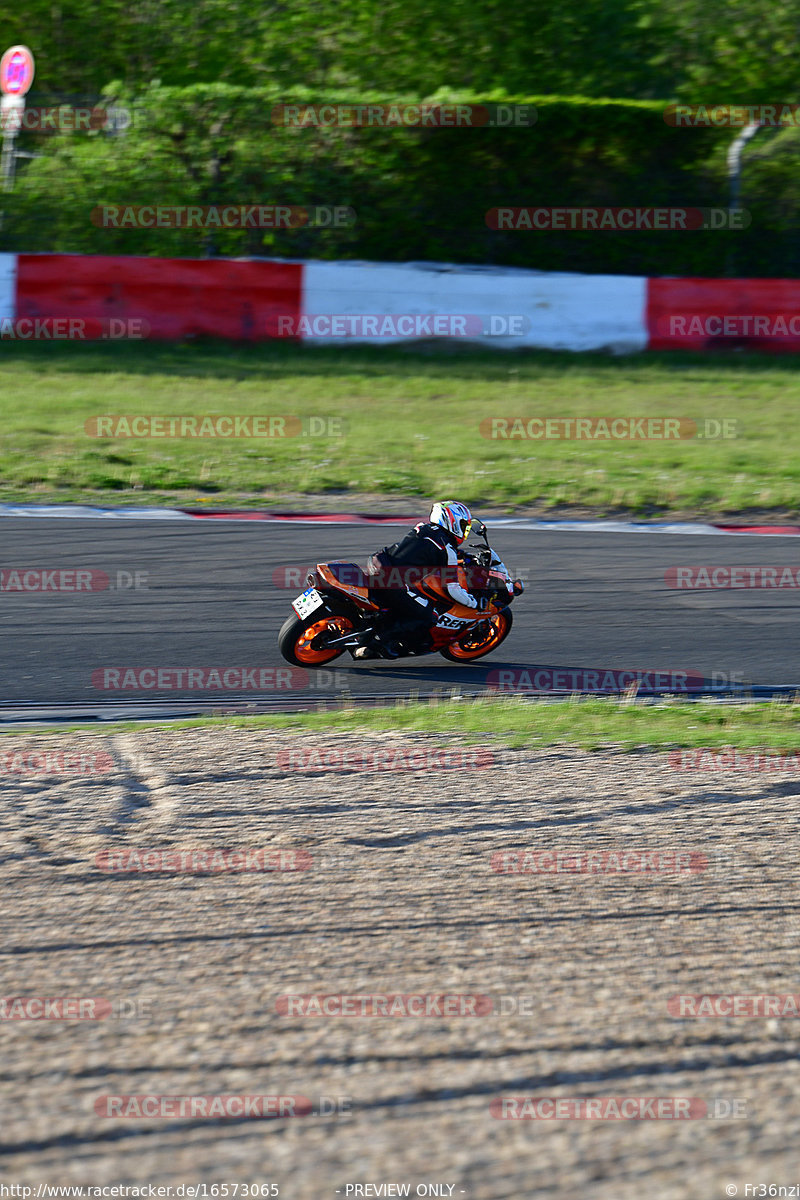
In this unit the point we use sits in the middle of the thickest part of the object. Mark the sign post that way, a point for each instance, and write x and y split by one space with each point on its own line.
16 76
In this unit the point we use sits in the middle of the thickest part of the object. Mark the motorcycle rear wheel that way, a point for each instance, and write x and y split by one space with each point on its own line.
296 639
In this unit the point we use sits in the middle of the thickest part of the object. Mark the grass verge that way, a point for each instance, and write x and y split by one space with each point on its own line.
406 422
591 723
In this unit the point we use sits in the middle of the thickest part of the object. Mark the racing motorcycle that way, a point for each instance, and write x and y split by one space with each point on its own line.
339 612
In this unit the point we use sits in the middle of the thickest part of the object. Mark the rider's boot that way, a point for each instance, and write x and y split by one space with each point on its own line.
379 646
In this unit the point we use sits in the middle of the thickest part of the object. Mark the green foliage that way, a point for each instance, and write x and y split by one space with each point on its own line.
420 193
395 45
593 723
737 49
203 78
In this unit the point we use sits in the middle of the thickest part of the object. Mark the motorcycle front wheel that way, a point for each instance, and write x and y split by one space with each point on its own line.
480 639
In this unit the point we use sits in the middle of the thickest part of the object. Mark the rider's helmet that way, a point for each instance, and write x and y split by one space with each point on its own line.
453 517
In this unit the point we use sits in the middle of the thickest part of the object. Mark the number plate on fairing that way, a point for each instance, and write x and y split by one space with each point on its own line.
307 603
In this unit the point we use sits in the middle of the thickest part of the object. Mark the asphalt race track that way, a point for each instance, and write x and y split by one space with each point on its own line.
214 594
579 970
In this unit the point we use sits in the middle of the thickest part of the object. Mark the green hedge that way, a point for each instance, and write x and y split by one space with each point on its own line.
419 193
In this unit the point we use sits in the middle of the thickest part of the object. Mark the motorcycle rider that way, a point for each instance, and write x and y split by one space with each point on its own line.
429 545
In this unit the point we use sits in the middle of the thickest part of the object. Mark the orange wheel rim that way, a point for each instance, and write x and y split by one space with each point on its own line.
471 646
304 648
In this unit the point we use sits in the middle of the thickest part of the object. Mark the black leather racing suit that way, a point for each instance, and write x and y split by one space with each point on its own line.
425 548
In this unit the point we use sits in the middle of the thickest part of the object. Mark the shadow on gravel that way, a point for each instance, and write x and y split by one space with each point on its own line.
472 1055
692 801
460 1054
658 1068
529 1083
371 928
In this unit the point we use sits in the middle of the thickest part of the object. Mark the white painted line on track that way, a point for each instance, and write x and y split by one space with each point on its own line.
80 512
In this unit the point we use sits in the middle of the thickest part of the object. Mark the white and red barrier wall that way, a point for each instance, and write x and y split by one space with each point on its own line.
255 299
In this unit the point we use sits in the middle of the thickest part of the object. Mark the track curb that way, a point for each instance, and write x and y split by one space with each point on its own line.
88 512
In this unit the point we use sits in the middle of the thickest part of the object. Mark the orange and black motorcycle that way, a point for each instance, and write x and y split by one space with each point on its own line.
338 611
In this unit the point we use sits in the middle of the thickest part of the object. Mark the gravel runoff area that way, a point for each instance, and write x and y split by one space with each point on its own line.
394 891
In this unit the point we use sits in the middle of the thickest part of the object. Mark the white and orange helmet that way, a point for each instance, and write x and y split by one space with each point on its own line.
452 516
